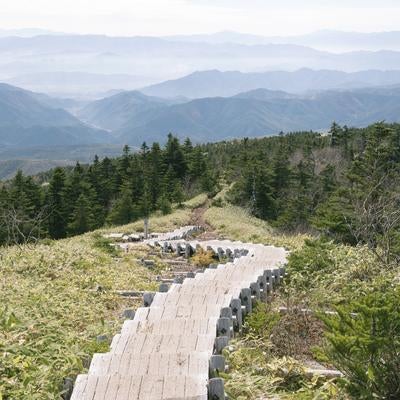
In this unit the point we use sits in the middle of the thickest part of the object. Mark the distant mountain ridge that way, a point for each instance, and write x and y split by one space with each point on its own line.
328 40
229 83
254 113
26 119
39 62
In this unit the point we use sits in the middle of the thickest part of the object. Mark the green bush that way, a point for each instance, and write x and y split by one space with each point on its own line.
261 321
363 341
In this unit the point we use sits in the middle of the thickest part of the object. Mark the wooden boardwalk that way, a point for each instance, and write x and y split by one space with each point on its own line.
170 349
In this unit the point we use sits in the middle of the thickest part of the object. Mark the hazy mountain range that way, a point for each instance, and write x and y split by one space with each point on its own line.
326 40
28 119
87 66
255 113
216 83
88 94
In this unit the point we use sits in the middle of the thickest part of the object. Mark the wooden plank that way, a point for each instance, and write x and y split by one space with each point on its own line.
174 388
163 353
101 388
79 388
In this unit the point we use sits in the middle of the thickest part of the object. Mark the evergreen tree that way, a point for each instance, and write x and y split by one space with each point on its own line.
82 219
55 197
177 194
123 210
175 157
336 134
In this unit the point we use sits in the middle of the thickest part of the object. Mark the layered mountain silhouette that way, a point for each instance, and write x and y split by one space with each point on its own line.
95 64
30 119
217 83
254 113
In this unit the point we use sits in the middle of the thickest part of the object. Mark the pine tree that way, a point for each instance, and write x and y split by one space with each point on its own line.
336 134
55 197
123 210
175 157
177 194
155 173
82 218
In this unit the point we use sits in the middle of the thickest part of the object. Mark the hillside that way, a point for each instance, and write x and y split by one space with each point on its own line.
303 191
26 119
9 168
113 113
256 113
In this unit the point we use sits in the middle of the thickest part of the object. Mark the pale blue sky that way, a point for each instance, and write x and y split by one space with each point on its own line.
164 17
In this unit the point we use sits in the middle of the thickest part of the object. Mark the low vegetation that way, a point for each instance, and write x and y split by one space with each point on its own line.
59 306
333 201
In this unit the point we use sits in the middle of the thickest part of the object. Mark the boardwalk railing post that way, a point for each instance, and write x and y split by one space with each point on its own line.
245 296
277 275
148 298
217 365
270 280
188 251
163 288
224 327
226 312
220 343
262 282
255 291
216 390
236 306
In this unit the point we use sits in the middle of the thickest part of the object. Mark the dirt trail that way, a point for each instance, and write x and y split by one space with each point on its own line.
197 218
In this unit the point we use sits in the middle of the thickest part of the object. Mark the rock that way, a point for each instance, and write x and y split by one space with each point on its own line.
102 338
129 313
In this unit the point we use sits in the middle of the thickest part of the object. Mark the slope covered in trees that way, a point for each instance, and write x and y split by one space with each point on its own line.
293 190
344 185
115 191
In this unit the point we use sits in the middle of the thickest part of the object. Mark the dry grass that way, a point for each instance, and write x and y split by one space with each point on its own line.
57 297
163 223
236 223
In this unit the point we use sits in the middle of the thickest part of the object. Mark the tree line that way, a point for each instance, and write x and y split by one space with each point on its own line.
345 185
108 191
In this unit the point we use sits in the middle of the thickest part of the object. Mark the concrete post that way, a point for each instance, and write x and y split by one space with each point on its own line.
224 327
216 390
217 365
236 306
220 343
245 297
148 298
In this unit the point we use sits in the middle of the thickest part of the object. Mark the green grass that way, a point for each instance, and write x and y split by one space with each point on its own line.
268 360
236 223
164 223
51 310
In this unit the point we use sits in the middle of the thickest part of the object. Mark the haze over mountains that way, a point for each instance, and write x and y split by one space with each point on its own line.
256 113
69 96
217 83
87 66
27 119
325 40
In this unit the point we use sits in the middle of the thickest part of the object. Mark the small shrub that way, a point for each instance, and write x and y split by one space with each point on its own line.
104 244
364 343
203 258
261 321
218 202
164 205
295 334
